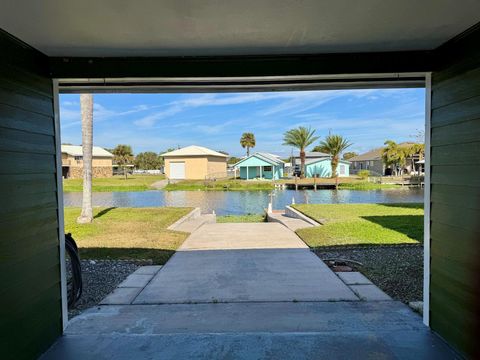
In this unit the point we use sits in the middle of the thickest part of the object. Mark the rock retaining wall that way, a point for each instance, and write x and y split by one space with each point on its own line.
97 172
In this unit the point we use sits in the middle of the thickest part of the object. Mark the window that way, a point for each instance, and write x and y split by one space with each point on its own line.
342 169
371 163
267 168
78 158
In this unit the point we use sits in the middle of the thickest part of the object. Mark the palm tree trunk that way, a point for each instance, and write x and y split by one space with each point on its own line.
248 151
86 105
302 163
334 171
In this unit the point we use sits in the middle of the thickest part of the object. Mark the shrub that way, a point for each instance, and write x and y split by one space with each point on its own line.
363 174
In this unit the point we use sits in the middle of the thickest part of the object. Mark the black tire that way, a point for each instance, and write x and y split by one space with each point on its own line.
74 271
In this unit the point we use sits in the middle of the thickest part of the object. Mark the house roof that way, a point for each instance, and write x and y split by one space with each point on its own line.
269 158
313 161
76 150
313 154
194 150
375 154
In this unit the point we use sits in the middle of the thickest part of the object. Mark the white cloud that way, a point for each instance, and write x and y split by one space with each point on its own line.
292 102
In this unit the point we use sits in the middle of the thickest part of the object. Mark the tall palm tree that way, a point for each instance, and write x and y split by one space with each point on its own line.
247 141
334 145
300 138
86 106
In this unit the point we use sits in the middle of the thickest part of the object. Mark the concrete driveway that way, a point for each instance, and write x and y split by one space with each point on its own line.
244 262
246 291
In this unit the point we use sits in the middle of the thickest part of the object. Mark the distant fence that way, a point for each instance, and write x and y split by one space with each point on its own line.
148 172
224 175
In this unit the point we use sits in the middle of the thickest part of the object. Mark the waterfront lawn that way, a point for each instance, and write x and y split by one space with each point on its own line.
365 185
114 183
127 233
247 218
363 224
220 185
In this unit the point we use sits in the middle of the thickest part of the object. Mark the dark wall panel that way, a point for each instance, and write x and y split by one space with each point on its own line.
29 246
455 197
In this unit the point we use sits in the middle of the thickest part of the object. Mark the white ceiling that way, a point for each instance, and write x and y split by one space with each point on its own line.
234 27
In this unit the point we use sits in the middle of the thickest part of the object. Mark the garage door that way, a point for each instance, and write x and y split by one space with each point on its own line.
177 170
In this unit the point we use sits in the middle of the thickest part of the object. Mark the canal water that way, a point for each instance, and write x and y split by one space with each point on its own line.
244 202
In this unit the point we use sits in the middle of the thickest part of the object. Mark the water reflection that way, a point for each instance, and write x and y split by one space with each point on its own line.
243 202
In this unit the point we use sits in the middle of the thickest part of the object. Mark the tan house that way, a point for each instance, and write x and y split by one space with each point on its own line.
195 162
72 162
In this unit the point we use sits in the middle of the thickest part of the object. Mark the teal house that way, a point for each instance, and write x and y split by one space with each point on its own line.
322 167
260 166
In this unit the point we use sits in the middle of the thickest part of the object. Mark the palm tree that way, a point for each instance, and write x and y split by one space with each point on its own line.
86 107
334 145
300 138
247 141
413 151
393 156
123 156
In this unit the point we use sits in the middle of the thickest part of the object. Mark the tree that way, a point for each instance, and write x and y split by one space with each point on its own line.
86 108
334 145
393 155
349 154
148 160
123 156
300 138
233 160
247 141
415 151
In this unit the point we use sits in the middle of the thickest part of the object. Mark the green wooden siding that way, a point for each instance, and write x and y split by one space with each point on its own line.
455 200
29 245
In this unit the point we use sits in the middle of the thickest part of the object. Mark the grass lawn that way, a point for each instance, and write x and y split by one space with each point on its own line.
345 183
127 233
221 185
363 224
248 218
367 186
115 183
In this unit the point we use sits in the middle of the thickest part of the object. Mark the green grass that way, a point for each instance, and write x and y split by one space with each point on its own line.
221 185
363 224
367 186
115 183
127 233
248 218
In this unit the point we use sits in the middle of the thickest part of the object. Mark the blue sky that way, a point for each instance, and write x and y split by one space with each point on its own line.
155 122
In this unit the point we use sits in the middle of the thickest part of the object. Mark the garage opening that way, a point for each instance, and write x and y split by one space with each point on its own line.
258 184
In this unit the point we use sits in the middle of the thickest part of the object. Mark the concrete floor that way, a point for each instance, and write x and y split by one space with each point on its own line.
244 262
316 330
248 291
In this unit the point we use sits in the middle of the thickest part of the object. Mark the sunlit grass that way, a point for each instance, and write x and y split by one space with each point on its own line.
127 233
247 218
363 224
367 186
115 183
220 185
